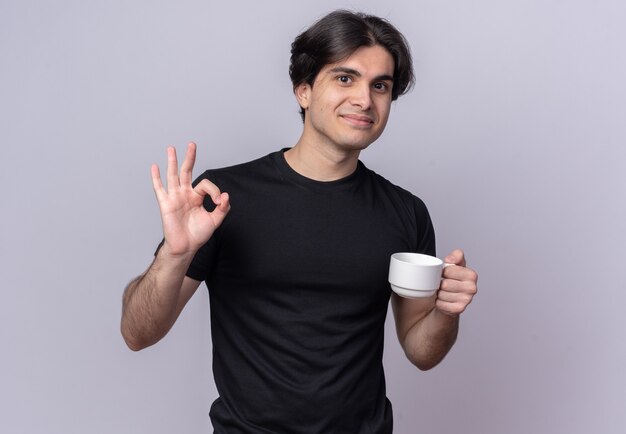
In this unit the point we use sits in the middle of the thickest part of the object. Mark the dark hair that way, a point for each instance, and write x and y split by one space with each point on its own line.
339 34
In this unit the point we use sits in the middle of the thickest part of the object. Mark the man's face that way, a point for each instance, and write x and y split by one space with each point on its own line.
348 105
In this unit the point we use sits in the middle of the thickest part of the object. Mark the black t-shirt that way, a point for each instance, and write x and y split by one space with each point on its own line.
297 278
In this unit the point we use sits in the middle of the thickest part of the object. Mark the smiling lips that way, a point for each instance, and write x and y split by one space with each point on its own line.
358 120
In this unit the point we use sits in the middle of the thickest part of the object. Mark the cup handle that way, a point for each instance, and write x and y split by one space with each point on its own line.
445 265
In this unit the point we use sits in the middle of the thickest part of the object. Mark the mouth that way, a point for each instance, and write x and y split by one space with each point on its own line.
358 120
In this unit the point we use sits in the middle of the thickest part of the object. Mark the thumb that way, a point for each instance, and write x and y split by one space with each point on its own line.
456 257
222 202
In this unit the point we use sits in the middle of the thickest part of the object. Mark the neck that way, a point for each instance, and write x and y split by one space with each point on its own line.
321 163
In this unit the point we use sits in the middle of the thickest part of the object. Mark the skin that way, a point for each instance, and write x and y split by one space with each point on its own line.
153 301
346 109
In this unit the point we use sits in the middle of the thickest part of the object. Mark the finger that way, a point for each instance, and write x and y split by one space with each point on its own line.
455 297
157 185
221 210
457 257
462 299
221 200
187 166
458 286
456 272
206 187
450 308
172 168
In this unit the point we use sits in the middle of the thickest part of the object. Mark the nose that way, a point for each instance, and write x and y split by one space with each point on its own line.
361 97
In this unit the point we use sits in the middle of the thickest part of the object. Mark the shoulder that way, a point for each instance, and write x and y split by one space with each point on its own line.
238 172
407 210
393 191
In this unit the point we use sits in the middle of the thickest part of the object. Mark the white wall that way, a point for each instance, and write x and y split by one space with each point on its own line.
514 136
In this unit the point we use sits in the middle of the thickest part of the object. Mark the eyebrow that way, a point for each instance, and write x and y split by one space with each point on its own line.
384 77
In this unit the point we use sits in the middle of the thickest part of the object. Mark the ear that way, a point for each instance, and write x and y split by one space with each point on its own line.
303 95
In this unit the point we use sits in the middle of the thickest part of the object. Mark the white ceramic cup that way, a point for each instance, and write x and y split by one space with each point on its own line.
414 275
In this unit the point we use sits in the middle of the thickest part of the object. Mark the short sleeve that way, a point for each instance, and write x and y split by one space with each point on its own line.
425 230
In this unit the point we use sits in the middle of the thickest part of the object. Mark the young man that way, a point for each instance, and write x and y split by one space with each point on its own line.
297 269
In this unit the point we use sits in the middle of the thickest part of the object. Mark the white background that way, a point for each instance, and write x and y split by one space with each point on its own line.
514 136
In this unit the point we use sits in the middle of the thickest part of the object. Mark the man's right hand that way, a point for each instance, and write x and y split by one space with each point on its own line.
187 225
154 300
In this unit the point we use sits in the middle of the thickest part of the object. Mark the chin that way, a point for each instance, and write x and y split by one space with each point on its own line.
354 147
359 144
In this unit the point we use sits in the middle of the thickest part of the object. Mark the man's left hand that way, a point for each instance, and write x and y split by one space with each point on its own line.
458 285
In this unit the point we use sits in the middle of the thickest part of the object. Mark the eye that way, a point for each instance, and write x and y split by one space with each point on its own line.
381 86
344 79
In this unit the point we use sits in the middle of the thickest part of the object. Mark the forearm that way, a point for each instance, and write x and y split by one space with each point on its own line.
430 339
427 327
151 301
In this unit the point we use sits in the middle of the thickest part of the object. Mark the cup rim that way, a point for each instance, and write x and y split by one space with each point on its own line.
404 257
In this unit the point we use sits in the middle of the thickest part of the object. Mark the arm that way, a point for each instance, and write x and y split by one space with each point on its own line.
427 328
153 301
